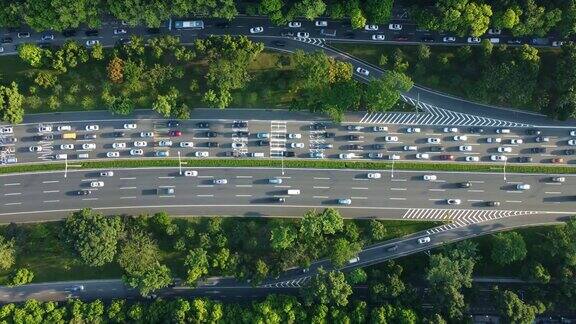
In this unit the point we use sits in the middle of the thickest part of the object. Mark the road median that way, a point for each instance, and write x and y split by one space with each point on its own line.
233 163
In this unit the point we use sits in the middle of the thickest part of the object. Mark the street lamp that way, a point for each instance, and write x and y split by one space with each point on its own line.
179 164
505 160
66 166
392 173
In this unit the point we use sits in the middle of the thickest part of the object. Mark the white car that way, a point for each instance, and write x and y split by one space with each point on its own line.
433 140
449 39
557 43
6 130
67 146
45 129
130 126
523 186
453 201
380 129
558 179
165 143
256 30
118 145
295 135
302 34
35 149
573 133
391 138
92 127
275 180
460 138
321 23
119 31
516 141
413 130
378 37
504 149
422 156
88 146
429 177
202 154
345 201
473 40
113 154
371 27
190 173
294 24
471 158
395 27
450 130
238 145
571 142
374 175
503 131
220 181
362 71
107 173
92 42
410 148
424 240
140 143
297 145
97 184
493 140
498 157
465 148
393 157
186 144
147 134
354 127
64 128
346 156
136 152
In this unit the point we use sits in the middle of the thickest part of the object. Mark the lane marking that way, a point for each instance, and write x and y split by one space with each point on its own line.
165 186
398 189
51 181
128 197
435 199
359 188
125 188
205 177
167 196
433 189
205 186
397 198
400 180
89 198
320 197
243 186
128 178
50 191
282 186
51 201
15 203
474 200
320 178
244 177
165 177
513 201
12 184
358 197
204 195
243 195
475 190
89 180
315 187
553 192
13 194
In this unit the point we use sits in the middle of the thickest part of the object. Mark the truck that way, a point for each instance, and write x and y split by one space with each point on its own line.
189 24
71 136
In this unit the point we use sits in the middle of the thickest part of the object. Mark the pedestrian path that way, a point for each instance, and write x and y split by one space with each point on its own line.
277 138
459 217
432 115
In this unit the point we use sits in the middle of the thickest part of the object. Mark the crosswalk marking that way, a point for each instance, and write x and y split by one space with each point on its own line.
277 138
432 115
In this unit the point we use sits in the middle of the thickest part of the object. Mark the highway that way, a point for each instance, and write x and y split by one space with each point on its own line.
280 136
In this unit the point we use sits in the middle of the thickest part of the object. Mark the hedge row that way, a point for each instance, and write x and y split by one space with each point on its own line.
320 164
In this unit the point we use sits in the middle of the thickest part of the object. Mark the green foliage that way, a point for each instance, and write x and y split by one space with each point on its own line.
379 11
535 271
196 264
31 53
282 237
93 236
357 276
21 276
122 106
508 248
97 52
515 310
462 17
7 253
386 283
382 94
357 19
343 250
11 101
309 9
327 288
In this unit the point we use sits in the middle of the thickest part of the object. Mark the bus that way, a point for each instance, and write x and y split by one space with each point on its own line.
189 24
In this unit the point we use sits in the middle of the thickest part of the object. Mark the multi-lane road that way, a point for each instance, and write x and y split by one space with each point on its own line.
39 142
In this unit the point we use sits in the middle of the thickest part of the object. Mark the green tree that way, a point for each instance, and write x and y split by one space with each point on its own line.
309 9
386 283
357 276
378 231
272 9
535 271
327 288
196 264
515 310
379 11
21 276
93 236
382 94
282 237
122 106
11 101
7 253
357 19
164 103
536 20
508 248
342 250
31 54
97 52
508 18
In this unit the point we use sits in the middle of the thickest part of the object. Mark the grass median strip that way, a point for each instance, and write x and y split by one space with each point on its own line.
190 163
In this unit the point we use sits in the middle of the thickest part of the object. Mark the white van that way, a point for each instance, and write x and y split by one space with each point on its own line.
83 156
293 192
257 154
61 156
354 260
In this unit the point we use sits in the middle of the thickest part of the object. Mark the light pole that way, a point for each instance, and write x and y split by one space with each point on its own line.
392 173
505 160
282 159
66 166
179 164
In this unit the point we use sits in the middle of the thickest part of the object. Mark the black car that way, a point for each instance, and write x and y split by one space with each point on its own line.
242 133
427 39
475 130
83 192
329 135
6 40
354 147
123 41
377 146
90 136
210 134
48 137
232 154
436 149
69 33
212 144
352 137
392 248
465 184
525 159
91 32
514 41
279 199
203 125
263 143
533 132
569 152
153 30
318 126
538 150
279 43
240 124
289 154
119 134
173 123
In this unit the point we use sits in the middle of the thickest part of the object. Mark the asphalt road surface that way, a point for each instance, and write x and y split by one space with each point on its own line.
279 137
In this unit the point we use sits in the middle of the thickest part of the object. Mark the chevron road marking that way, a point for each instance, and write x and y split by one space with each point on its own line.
313 41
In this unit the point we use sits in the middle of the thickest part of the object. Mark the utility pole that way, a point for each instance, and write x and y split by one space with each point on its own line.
66 166
282 159
392 173
505 160
179 163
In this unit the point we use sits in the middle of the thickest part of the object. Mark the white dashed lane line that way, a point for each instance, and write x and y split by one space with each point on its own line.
126 188
13 194
317 187
11 204
51 181
129 178
12 184
52 201
397 198
398 189
243 195
204 195
50 191
130 197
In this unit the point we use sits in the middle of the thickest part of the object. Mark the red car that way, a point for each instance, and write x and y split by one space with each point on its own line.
175 133
558 160
446 157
